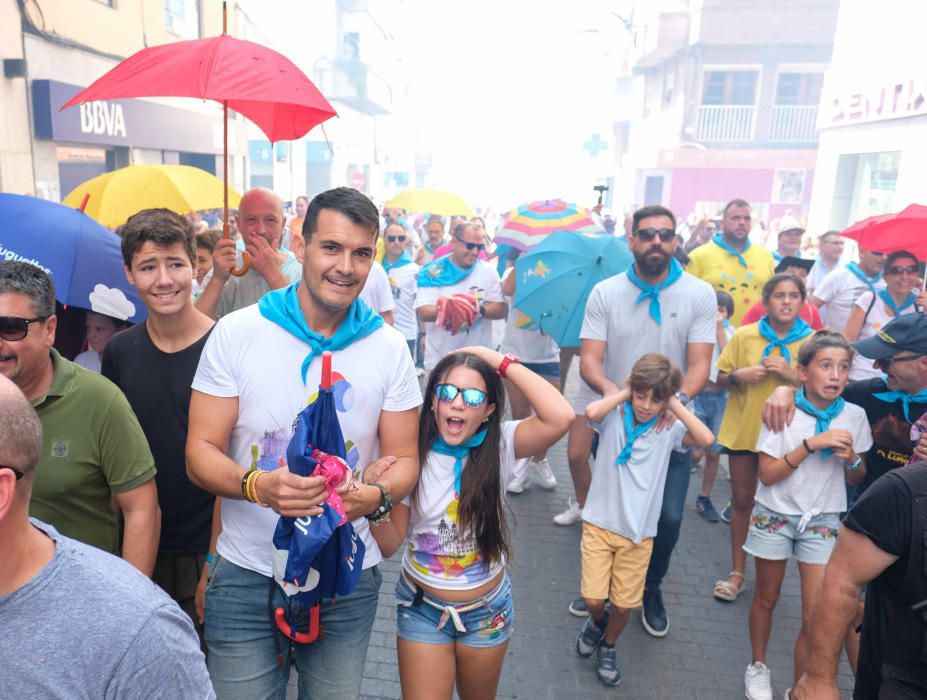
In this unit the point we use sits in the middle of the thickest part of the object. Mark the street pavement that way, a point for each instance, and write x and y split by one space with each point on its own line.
703 656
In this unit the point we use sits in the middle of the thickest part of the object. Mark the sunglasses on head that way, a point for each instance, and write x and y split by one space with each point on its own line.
473 398
14 328
886 362
393 239
471 246
900 270
648 234
19 474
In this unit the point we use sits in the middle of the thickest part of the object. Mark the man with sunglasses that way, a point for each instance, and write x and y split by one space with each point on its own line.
836 295
459 278
95 451
403 276
76 621
730 263
654 306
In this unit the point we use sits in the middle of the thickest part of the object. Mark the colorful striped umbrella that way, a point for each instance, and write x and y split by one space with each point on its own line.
529 224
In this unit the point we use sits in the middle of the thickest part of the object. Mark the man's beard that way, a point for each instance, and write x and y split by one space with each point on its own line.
654 266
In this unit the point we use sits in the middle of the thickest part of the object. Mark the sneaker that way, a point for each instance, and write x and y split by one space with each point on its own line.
572 514
519 483
544 474
788 694
590 636
606 665
706 509
653 615
757 683
578 608
726 513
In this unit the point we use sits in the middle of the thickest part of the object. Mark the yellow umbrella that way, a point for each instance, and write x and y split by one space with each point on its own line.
114 197
423 199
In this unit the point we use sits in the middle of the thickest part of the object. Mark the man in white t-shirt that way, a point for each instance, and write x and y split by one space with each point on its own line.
260 367
460 273
376 293
403 282
830 249
836 295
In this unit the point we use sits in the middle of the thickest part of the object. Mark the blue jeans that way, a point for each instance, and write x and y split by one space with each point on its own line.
674 501
244 642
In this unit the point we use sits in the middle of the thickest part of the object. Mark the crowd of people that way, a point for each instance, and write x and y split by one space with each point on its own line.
165 444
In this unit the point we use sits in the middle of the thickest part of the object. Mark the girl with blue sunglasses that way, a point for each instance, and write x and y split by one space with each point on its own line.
455 612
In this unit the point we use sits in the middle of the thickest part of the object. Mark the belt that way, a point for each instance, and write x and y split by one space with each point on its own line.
448 610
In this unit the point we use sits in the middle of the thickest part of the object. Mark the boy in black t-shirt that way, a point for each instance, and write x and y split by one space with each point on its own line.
154 363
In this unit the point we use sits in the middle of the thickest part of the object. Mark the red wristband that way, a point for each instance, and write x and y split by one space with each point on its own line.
506 361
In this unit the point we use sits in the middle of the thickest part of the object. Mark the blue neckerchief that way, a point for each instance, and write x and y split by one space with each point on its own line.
887 298
442 273
404 259
906 399
458 452
777 256
653 290
282 307
799 330
726 323
870 281
428 247
823 416
718 240
632 432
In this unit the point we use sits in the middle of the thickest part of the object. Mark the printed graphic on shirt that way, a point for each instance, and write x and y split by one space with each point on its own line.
743 286
447 552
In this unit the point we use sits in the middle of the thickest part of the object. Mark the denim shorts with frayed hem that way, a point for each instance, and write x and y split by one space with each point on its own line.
776 536
487 625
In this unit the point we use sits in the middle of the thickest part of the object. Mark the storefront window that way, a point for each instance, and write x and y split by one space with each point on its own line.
182 17
877 177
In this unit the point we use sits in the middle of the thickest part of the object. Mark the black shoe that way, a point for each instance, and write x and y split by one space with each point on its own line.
578 607
654 614
606 665
590 636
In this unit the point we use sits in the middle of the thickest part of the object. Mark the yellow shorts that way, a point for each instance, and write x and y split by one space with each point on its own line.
614 568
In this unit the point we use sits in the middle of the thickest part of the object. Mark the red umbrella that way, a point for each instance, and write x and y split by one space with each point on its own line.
904 230
253 80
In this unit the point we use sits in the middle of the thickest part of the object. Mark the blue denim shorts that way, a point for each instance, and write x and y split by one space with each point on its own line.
708 407
776 536
487 625
547 370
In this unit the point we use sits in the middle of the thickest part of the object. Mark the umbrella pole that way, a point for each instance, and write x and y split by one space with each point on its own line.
226 231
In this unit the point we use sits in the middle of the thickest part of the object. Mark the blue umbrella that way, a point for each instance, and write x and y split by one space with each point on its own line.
319 556
82 256
555 278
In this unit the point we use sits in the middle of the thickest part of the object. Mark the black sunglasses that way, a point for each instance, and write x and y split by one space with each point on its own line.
19 474
886 362
473 398
13 328
472 246
393 239
648 234
899 270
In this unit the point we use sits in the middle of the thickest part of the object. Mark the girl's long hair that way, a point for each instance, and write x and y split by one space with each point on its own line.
481 510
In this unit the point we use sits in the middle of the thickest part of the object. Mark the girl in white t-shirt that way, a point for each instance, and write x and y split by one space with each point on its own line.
801 493
455 612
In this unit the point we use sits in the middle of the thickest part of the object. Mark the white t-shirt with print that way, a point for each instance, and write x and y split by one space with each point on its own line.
254 359
403 283
523 337
839 292
863 367
484 282
818 484
376 292
438 554
627 498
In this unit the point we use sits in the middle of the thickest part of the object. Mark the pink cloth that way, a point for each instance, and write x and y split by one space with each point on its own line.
334 469
457 313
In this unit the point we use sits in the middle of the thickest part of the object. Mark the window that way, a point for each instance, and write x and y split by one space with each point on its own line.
182 17
799 88
732 87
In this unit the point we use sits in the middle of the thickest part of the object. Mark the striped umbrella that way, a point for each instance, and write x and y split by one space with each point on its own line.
529 224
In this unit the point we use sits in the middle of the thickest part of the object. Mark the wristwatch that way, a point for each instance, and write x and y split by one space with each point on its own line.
385 507
683 398
506 361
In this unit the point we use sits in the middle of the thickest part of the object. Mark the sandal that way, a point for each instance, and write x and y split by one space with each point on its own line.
727 591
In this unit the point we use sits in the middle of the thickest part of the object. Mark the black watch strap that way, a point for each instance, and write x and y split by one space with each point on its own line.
385 507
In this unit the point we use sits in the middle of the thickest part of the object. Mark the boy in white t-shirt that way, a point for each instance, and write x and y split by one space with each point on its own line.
625 499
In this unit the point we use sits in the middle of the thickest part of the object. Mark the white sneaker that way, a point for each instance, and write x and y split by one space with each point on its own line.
544 474
519 483
572 514
757 683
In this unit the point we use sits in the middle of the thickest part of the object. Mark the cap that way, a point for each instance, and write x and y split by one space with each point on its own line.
793 261
789 223
907 332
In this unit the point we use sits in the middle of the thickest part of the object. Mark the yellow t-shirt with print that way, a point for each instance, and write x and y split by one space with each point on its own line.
740 427
724 272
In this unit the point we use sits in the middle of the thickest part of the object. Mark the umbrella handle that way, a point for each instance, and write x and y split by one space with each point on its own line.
245 264
326 382
291 633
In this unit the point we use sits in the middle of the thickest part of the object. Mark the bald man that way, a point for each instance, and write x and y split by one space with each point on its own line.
116 633
260 220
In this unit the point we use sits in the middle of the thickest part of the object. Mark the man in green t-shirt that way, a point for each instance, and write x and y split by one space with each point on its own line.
94 456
